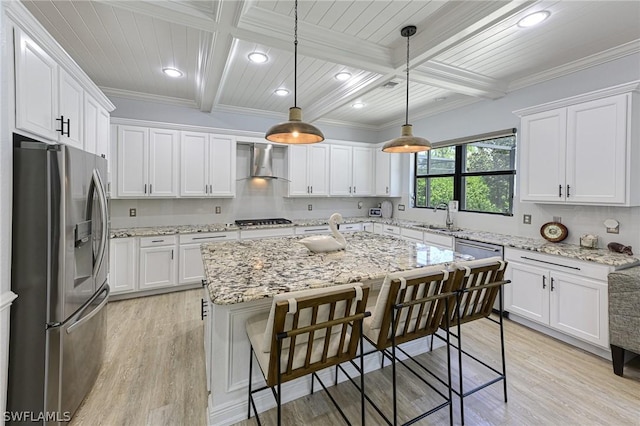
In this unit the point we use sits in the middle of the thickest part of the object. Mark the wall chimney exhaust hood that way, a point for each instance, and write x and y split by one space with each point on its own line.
262 162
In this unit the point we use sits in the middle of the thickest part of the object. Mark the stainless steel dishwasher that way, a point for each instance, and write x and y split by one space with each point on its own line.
481 250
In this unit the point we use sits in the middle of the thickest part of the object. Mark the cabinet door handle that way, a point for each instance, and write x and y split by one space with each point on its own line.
349 190
354 189
171 254
157 241
145 188
544 281
552 282
308 190
208 238
311 188
62 123
387 190
210 189
150 188
203 310
568 193
559 190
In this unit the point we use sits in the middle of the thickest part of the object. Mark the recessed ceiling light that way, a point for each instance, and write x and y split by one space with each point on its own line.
343 76
357 105
258 58
172 72
533 19
281 92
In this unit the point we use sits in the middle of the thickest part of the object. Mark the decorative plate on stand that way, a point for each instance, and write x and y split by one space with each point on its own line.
554 231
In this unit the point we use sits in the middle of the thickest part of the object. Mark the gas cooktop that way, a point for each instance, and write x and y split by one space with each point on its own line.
254 222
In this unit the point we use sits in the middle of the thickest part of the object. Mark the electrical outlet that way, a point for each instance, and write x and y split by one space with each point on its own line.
133 212
218 209
310 207
557 219
526 219
360 204
401 207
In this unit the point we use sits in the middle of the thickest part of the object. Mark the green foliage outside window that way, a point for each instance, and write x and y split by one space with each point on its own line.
484 182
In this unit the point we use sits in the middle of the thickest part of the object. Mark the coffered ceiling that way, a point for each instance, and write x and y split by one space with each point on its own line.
463 51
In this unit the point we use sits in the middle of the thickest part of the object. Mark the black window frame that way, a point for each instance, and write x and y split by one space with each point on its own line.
458 176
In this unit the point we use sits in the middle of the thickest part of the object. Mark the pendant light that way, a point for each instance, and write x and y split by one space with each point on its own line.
407 142
295 131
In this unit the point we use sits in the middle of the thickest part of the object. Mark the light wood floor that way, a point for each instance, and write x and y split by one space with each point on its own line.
154 375
154 371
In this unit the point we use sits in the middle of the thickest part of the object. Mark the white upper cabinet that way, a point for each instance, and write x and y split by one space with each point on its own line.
351 171
70 110
36 88
52 104
309 170
147 162
387 174
582 152
96 128
208 165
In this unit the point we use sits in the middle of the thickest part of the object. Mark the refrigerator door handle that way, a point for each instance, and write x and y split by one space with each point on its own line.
102 199
79 319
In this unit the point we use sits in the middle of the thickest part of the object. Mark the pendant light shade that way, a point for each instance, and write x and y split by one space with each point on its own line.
295 131
407 142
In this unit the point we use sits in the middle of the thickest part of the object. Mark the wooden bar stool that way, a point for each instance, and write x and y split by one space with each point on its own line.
481 283
307 331
411 305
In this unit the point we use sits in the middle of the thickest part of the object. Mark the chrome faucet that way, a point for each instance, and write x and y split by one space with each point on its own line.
449 221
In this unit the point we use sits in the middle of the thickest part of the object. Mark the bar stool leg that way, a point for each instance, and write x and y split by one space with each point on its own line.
362 411
460 360
504 364
250 377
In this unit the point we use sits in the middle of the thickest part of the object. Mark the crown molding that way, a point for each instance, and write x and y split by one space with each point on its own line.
147 97
632 86
608 55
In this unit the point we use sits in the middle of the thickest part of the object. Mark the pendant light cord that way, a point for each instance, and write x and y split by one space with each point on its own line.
295 56
407 104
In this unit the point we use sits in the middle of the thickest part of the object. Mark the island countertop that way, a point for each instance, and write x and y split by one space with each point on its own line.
241 271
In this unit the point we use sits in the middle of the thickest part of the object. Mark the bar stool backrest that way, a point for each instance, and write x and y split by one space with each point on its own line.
423 294
316 331
479 286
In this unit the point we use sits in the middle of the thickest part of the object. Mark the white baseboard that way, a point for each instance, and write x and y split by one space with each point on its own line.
596 350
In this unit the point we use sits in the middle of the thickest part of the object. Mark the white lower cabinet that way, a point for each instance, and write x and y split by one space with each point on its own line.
350 227
157 262
566 295
190 266
312 230
123 265
445 241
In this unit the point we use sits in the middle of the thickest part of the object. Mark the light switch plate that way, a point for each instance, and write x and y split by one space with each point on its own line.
133 212
401 207
309 207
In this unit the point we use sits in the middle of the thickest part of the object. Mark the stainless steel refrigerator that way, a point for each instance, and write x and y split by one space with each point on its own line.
59 272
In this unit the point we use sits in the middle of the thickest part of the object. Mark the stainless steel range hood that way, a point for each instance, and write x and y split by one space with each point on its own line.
262 161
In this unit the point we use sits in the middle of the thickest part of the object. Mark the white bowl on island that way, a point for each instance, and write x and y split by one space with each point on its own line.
326 243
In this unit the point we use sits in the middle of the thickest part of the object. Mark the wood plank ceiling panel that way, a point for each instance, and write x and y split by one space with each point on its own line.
508 52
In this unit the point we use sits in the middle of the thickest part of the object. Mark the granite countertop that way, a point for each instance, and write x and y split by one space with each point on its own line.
601 256
241 271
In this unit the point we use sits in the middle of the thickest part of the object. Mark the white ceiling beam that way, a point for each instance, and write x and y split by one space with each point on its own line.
217 57
181 14
458 80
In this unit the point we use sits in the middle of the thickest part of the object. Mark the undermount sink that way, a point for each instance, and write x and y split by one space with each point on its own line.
439 228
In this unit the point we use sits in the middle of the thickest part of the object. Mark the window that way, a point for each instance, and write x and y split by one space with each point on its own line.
478 172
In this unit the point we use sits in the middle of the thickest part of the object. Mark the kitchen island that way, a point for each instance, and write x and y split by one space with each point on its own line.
242 276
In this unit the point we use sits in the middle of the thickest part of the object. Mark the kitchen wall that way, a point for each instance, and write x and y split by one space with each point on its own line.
267 200
493 115
255 198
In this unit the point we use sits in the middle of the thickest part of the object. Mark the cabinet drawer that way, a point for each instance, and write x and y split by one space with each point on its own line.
210 237
160 240
412 234
558 263
438 240
390 229
311 230
350 227
265 233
